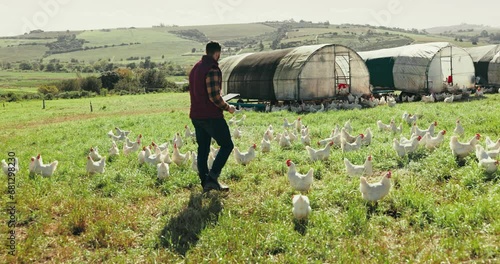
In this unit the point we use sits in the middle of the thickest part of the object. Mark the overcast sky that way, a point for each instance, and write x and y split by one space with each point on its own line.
19 16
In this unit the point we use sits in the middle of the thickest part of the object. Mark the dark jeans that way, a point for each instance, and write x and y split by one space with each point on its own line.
206 129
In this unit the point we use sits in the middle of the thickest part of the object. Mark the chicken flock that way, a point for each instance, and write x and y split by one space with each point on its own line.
373 185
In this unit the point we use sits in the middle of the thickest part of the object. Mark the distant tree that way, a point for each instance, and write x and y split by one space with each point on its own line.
193 50
91 84
153 79
162 57
25 66
132 65
474 40
484 34
69 85
109 79
261 46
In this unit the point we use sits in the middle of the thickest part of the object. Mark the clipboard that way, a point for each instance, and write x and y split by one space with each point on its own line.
230 96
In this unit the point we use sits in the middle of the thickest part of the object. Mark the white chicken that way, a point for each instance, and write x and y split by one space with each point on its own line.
120 136
434 142
287 124
299 182
359 170
291 136
490 165
407 147
210 161
178 141
46 170
391 102
244 158
306 140
12 166
320 154
375 191
298 124
462 150
409 118
94 167
265 145
383 127
348 126
301 207
214 151
135 147
481 153
237 132
347 147
459 130
163 170
337 140
31 166
141 157
396 129
421 132
129 143
188 133
346 136
449 99
428 99
284 141
194 160
270 132
179 158
367 139
94 154
121 132
490 144
114 150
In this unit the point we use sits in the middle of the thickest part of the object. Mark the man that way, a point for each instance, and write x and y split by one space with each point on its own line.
207 116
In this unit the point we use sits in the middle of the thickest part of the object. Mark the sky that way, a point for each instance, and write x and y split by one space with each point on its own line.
20 16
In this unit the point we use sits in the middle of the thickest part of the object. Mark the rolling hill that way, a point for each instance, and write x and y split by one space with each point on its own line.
184 44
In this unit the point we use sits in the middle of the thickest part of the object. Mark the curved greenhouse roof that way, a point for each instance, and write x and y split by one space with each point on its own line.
302 73
420 68
487 64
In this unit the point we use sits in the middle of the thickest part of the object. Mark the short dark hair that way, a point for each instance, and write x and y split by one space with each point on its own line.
212 47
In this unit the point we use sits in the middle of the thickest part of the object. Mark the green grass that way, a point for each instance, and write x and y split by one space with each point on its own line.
437 210
29 81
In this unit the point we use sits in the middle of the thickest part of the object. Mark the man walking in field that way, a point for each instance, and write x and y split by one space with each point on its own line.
207 116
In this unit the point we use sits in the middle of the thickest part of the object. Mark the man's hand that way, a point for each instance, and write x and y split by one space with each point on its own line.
231 109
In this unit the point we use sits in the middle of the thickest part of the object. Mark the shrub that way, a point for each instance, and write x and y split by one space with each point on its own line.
48 89
91 84
69 85
129 86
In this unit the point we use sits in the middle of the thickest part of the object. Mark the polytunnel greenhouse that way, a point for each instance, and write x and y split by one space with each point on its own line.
301 73
420 68
487 64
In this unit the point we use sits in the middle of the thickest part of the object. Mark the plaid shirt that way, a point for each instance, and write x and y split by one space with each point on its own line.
214 79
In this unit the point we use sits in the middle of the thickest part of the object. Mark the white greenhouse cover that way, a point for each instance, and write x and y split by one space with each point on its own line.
421 66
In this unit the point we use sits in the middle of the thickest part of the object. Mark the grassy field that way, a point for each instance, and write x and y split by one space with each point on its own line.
29 81
437 211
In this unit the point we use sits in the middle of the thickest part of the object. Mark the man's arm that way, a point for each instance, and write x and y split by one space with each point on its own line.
213 80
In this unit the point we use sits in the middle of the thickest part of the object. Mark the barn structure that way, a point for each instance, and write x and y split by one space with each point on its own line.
420 68
303 73
487 64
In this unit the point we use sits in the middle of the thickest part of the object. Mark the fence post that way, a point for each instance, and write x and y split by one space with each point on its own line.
43 103
91 107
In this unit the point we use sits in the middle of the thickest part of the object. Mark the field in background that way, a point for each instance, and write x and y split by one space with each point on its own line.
437 210
29 81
